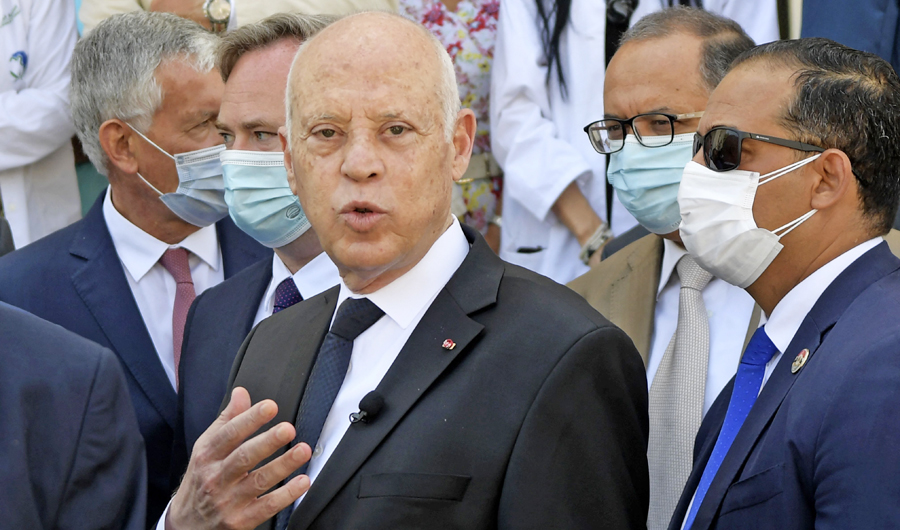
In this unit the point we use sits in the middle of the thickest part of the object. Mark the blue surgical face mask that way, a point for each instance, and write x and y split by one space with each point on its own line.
646 180
200 197
259 197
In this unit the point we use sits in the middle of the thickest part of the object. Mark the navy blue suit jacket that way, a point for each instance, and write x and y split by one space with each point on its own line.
217 324
868 25
70 450
74 278
820 448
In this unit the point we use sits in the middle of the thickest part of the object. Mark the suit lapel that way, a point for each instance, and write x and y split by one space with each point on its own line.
103 288
862 273
239 250
420 362
632 297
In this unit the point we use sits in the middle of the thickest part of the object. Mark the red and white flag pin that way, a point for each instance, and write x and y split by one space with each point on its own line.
448 344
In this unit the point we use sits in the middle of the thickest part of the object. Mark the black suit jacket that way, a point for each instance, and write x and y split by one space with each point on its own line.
217 324
71 454
74 278
536 419
819 448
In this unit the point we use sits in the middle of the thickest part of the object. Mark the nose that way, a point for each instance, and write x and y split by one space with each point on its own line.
362 159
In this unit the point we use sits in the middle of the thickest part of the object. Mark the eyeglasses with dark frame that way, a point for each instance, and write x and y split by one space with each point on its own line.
722 146
652 129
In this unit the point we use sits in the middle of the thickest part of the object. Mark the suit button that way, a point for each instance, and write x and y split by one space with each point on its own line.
318 451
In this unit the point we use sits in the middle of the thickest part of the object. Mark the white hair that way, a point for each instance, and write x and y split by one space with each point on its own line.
114 71
448 91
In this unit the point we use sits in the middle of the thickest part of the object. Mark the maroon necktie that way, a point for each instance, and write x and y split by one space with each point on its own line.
175 260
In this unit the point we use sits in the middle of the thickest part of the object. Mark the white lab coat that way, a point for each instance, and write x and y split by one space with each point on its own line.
538 138
37 168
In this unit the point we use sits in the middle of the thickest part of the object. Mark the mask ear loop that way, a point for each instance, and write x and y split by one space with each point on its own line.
149 141
151 185
793 224
769 177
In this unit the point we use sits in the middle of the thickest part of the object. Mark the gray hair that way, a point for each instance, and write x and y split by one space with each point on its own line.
114 67
723 38
448 91
264 33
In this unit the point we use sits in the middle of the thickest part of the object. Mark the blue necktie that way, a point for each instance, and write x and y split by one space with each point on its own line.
353 317
286 295
747 383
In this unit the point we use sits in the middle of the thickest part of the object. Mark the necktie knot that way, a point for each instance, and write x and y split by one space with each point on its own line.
175 260
760 349
692 276
286 294
355 316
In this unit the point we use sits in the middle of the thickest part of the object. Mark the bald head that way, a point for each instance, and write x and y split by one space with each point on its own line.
377 45
376 142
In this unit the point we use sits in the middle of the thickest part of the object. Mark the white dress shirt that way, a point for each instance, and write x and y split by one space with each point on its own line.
37 168
151 284
404 302
315 277
729 309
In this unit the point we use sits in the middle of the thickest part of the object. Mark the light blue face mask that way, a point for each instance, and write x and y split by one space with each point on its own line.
259 197
646 180
200 197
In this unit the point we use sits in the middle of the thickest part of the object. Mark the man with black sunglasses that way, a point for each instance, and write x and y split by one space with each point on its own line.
690 335
795 179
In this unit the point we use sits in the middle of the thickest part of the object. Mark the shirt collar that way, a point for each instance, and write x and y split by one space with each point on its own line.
790 312
317 276
406 297
672 253
139 251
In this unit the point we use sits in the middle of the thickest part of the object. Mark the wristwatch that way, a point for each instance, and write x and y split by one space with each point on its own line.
600 237
217 12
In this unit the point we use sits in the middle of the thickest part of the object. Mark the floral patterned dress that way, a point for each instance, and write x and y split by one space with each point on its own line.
468 34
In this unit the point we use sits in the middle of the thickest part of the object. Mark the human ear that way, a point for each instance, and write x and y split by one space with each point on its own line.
463 141
116 139
288 160
834 182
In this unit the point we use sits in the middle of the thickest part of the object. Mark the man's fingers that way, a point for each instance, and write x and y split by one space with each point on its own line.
263 479
253 451
268 506
224 438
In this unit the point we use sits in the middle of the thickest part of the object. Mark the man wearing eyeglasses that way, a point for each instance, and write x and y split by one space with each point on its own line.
656 89
794 183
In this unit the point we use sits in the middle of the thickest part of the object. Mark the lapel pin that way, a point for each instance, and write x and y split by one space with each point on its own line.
448 345
799 361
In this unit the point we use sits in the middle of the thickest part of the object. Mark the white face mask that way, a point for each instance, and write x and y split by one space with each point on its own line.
717 225
200 197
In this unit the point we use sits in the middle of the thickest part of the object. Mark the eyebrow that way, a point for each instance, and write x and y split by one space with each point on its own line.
667 110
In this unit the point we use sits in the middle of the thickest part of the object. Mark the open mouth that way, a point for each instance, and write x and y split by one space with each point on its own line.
362 217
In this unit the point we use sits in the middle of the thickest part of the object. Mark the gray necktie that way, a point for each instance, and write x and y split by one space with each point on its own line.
676 397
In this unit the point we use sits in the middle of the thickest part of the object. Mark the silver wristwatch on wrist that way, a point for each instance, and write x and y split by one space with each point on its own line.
596 242
217 12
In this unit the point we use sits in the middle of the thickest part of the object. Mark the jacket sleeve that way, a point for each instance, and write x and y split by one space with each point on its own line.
580 460
537 164
35 121
854 473
107 487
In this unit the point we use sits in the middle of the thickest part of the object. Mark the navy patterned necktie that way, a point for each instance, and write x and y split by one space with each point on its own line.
353 317
286 295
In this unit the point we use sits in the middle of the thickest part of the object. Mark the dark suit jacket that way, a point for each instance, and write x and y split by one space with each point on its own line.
868 25
217 324
6 240
820 448
74 278
71 454
536 419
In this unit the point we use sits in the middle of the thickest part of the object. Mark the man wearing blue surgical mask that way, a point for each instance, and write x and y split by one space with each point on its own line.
689 326
254 61
145 97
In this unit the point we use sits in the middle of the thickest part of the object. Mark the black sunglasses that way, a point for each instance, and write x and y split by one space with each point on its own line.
722 146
